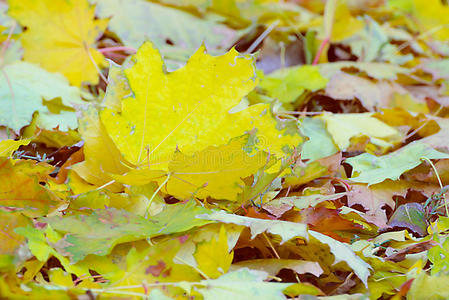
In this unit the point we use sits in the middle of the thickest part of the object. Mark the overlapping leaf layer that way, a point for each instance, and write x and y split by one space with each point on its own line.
240 149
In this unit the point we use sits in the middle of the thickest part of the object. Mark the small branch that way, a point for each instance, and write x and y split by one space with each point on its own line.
329 16
262 37
117 48
86 48
7 42
320 50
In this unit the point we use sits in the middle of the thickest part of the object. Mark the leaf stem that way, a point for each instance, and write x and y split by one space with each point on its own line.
86 48
155 193
320 50
117 48
262 37
196 268
7 42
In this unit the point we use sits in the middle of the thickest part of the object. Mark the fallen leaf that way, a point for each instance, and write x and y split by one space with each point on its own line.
196 107
213 256
24 89
287 230
342 127
68 30
410 216
375 169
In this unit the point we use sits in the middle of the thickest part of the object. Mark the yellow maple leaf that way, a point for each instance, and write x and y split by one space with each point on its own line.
215 171
20 188
60 36
101 155
188 109
7 147
213 257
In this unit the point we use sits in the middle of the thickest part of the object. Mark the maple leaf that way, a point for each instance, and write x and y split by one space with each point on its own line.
429 286
111 218
7 147
136 266
11 240
319 143
135 21
109 227
245 284
371 169
184 109
67 30
345 25
20 188
343 127
215 171
96 166
26 89
213 257
375 198
287 230
39 243
288 84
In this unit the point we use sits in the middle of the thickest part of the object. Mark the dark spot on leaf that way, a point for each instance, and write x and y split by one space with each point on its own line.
155 270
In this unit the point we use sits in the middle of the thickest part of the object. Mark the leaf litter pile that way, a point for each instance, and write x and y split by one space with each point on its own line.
244 149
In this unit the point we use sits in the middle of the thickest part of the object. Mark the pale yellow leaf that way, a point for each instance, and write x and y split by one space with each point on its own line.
60 36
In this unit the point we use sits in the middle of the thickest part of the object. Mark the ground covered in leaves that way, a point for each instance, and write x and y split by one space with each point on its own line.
224 149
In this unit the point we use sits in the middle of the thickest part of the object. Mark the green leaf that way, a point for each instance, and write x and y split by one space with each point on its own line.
371 169
439 256
288 84
135 21
39 245
273 265
23 89
438 68
320 143
429 287
287 230
99 232
180 217
411 216
343 252
242 285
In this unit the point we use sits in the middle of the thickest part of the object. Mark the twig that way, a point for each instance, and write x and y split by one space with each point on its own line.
271 245
329 15
262 37
155 193
117 48
86 48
